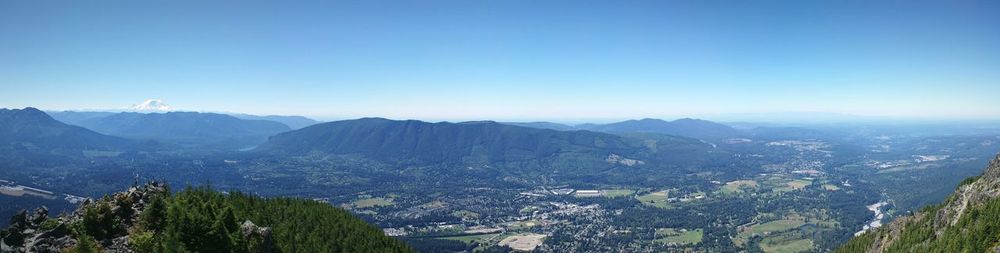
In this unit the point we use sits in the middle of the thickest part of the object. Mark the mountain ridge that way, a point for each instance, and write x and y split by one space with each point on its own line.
33 129
188 129
967 221
424 142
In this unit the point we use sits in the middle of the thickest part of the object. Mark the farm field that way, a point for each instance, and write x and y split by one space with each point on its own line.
678 236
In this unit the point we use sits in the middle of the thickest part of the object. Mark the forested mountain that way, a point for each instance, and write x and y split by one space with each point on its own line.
187 129
294 122
30 129
418 142
968 221
151 219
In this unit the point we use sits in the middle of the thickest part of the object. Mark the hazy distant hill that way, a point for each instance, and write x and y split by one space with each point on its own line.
419 142
294 122
75 117
188 129
968 221
543 125
30 129
694 128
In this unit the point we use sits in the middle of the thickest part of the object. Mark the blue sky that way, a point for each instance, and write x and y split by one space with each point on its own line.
506 60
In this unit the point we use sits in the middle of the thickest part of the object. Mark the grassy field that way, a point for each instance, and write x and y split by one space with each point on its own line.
469 238
830 187
657 199
522 224
739 186
371 202
777 226
792 185
767 228
617 193
670 235
772 245
465 214
798 184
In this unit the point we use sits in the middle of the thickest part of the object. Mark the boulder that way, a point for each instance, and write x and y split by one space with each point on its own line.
259 237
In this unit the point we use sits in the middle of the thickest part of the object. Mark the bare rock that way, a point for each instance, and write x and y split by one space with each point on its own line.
260 237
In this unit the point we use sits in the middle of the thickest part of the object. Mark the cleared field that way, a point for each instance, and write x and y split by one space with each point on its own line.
777 226
470 238
523 242
617 193
657 199
465 214
739 186
798 184
678 236
522 224
830 187
792 185
770 245
371 202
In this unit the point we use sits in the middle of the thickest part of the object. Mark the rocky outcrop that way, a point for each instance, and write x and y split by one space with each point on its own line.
258 234
37 232
986 187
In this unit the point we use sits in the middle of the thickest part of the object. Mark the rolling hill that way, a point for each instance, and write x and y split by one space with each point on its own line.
694 128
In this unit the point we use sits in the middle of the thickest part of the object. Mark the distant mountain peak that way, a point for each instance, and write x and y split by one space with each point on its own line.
28 113
151 105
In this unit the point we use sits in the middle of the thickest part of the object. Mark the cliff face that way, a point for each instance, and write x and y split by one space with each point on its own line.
969 220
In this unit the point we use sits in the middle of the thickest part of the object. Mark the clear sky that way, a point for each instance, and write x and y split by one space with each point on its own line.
575 59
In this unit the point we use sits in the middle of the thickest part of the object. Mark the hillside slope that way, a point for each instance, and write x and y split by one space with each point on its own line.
29 129
151 219
968 221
